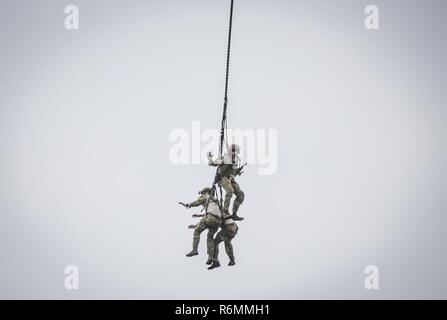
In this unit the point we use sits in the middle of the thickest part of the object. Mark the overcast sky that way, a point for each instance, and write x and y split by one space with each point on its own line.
85 173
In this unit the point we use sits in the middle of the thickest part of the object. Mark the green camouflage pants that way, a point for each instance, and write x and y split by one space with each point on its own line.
211 223
232 187
225 235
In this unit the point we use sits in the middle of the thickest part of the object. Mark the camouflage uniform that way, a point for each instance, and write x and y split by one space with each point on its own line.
228 232
231 187
211 221
225 235
227 170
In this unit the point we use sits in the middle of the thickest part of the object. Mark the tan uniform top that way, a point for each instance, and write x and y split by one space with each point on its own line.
226 166
213 207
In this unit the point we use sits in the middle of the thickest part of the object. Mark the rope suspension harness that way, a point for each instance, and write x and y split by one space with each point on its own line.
216 209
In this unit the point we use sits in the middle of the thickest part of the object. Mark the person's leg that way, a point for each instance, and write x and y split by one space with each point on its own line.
196 238
229 251
210 244
230 233
229 191
240 196
219 238
217 241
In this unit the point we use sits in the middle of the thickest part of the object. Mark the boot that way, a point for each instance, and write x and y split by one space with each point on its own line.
232 262
192 253
216 264
235 217
209 261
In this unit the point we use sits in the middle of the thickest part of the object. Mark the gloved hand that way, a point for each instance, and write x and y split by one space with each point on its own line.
187 206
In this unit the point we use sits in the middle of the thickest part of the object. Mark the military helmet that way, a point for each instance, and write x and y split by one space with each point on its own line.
205 190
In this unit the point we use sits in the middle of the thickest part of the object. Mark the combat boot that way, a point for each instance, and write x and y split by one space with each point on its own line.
192 253
216 264
235 217
232 262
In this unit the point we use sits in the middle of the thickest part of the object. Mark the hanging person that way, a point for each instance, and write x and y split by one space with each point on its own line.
211 220
228 167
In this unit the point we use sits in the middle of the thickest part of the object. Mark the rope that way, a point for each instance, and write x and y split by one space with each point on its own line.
227 74
225 106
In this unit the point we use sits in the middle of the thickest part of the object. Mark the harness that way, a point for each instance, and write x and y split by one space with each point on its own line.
205 207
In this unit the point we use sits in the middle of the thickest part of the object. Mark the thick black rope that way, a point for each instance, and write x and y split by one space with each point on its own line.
227 74
225 106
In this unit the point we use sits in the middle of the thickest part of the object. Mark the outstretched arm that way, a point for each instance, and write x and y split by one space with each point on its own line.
200 201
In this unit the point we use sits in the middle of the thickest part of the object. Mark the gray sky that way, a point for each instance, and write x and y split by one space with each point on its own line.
85 176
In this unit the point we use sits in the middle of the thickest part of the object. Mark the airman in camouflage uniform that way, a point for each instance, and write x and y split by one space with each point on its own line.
228 168
211 220
226 234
